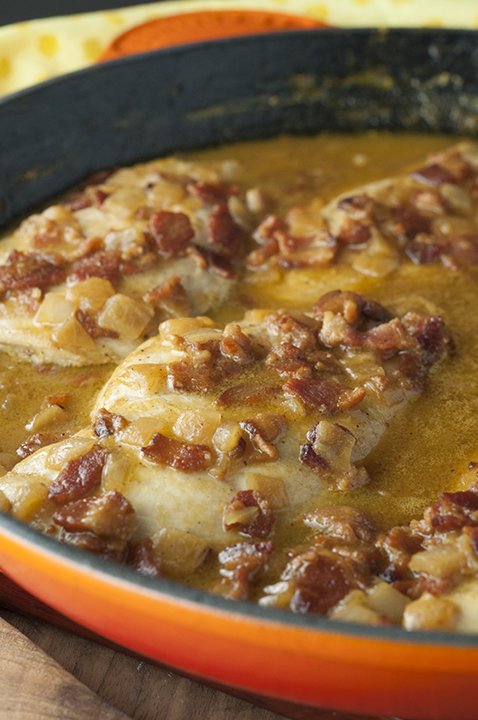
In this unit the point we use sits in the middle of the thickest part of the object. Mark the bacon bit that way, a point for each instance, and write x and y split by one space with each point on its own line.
390 338
143 560
283 328
171 231
79 477
25 271
428 201
240 565
342 522
247 394
352 306
99 264
220 264
267 229
269 425
36 441
320 582
464 248
237 346
198 256
327 397
433 175
99 196
142 264
258 526
289 361
409 223
310 458
223 233
170 296
258 440
431 333
60 399
108 548
92 328
107 515
424 249
262 254
212 193
316 250
107 423
178 454
398 545
359 218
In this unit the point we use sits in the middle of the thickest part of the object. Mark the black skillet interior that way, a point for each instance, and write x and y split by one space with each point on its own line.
210 93
227 90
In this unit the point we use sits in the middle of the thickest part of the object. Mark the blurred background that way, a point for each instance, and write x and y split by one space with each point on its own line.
18 10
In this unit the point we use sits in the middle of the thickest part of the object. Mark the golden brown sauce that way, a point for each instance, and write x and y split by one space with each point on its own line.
432 441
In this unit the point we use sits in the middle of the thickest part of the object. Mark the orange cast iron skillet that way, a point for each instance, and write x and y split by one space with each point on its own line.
152 104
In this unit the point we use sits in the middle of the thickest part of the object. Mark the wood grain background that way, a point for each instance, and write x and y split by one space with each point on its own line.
48 672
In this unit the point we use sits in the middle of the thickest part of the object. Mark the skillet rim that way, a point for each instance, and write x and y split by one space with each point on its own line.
169 589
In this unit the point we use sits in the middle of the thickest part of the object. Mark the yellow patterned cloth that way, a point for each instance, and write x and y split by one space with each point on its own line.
34 51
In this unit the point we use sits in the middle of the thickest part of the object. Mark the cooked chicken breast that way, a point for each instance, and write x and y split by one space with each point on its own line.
224 432
428 215
87 280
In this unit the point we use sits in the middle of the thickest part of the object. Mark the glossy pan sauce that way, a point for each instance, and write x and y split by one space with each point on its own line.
431 444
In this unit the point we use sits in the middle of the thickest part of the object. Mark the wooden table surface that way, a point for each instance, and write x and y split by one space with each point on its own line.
48 672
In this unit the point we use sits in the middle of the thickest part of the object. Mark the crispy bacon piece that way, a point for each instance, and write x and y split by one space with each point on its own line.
100 524
424 249
237 346
259 524
94 330
99 264
409 222
289 361
106 515
107 423
38 440
397 546
212 193
99 196
431 333
354 307
433 175
61 399
310 458
247 394
319 580
263 253
79 477
283 328
241 564
143 560
310 251
359 219
170 296
452 512
464 248
172 232
326 397
342 522
178 454
223 233
262 431
25 271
